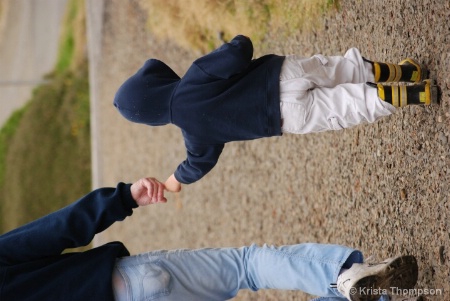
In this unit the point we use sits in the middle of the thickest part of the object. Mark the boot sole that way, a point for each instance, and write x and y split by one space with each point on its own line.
435 95
400 273
424 73
434 92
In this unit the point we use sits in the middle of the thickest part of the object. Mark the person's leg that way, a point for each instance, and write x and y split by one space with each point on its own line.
191 275
323 93
218 274
328 93
307 267
424 93
407 70
330 71
327 71
322 109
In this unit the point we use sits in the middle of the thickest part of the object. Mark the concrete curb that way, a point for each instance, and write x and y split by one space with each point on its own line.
94 17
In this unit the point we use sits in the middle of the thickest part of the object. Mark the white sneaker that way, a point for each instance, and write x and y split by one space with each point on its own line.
367 282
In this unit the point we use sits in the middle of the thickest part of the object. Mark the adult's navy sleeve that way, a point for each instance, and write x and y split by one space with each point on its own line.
200 160
229 59
70 227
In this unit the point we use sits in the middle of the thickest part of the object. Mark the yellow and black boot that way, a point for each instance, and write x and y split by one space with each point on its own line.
423 93
407 70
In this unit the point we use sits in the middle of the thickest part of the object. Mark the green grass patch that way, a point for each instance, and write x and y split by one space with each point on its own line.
45 147
47 161
67 43
6 134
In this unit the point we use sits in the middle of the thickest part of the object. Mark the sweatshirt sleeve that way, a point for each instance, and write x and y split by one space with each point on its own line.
200 160
229 59
70 227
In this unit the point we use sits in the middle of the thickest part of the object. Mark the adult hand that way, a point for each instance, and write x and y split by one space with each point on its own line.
148 191
172 184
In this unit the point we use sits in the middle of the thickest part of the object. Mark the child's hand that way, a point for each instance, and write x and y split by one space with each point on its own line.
148 191
172 184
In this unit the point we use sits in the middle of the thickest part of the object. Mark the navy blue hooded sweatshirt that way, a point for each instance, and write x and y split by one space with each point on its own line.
32 267
224 96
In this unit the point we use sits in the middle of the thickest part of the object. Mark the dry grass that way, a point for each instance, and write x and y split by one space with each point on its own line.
197 23
80 37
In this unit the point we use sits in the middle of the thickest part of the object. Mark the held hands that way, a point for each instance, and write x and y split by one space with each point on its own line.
148 191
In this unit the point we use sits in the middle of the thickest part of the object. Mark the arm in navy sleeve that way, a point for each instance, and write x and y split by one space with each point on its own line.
200 160
229 59
70 227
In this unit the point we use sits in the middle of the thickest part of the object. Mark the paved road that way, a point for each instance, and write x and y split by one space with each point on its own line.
382 188
29 34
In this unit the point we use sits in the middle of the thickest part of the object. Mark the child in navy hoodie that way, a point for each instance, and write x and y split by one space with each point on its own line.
228 96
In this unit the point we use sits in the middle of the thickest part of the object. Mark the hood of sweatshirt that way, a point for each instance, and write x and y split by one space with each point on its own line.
146 96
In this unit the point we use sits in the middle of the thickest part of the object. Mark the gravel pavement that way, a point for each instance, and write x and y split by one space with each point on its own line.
382 188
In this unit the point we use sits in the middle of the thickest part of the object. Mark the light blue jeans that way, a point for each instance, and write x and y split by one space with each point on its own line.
218 274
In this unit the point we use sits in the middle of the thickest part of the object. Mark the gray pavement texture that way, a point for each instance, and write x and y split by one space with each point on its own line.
382 188
29 36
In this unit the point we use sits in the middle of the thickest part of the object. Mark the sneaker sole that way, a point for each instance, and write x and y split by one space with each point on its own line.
401 273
